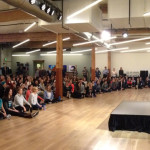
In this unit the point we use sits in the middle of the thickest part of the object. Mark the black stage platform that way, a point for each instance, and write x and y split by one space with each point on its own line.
131 116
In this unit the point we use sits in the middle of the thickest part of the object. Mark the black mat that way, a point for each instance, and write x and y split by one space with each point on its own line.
131 116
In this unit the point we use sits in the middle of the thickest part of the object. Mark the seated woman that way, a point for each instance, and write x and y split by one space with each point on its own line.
48 95
129 83
90 86
19 102
10 109
29 91
113 85
133 82
3 114
138 84
68 89
98 88
33 99
121 85
105 87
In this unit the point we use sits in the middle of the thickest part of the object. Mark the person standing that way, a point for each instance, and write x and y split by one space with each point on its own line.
85 73
114 73
105 72
97 73
121 72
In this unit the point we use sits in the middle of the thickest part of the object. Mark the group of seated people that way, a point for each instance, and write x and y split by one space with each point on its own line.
20 95
79 88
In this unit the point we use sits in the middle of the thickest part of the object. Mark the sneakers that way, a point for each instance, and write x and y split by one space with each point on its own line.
8 116
34 114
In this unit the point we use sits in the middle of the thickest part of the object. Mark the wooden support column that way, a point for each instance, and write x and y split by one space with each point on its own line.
109 63
59 66
93 64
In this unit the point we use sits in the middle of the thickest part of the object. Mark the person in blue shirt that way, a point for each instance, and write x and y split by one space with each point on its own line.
3 114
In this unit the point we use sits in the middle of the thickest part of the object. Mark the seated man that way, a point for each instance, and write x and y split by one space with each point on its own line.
105 87
113 85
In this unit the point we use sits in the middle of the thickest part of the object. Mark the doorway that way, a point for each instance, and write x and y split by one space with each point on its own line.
38 64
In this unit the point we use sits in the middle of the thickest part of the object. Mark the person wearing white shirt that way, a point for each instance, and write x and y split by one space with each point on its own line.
20 102
33 99
114 73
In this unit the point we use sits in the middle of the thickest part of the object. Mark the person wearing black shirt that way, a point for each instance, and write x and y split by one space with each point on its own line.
121 72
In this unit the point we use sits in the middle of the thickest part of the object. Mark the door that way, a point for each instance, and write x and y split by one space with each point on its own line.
38 64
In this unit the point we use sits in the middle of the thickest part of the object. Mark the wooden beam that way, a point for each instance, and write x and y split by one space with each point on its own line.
14 15
93 63
59 66
109 63
38 36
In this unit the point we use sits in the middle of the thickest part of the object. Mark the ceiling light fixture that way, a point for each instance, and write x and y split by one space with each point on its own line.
130 41
84 9
20 55
87 50
30 26
111 50
147 14
21 43
59 17
63 54
125 35
37 50
50 43
105 35
52 12
43 6
32 2
147 43
48 9
135 50
55 51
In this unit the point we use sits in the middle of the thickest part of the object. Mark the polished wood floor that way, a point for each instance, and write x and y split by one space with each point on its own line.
75 125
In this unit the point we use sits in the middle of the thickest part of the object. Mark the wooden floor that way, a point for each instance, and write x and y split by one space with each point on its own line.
75 125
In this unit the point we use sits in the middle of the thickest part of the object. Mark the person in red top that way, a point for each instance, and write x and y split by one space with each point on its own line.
129 83
72 85
29 92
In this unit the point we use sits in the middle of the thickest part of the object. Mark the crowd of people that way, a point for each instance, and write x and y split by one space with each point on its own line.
20 95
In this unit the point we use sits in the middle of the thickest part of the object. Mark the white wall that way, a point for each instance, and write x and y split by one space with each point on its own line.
131 61
101 61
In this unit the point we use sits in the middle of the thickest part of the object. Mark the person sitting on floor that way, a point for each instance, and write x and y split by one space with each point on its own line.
48 95
33 99
114 85
19 102
133 82
9 107
147 82
138 84
3 114
105 87
129 83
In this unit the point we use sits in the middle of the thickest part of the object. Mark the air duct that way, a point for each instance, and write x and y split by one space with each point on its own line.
31 9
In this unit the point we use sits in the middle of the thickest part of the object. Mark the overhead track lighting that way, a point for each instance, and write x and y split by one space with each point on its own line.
130 41
59 17
105 35
32 2
52 12
21 43
30 26
33 51
84 9
48 9
43 6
